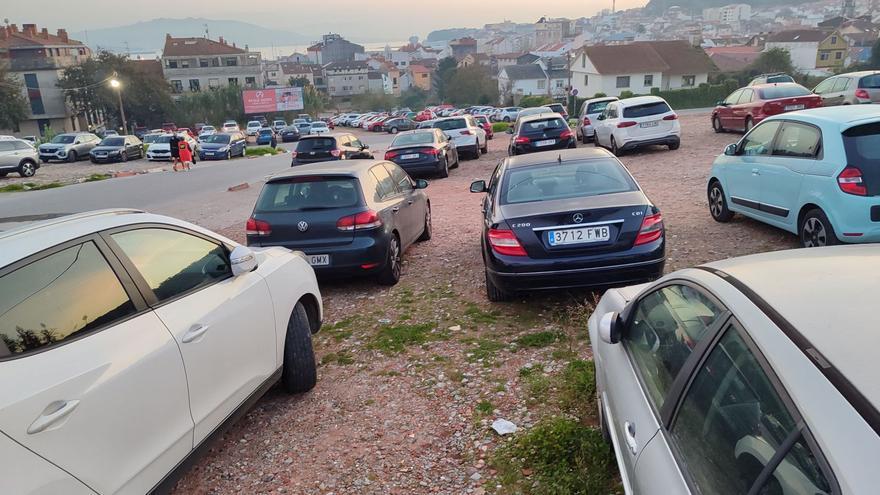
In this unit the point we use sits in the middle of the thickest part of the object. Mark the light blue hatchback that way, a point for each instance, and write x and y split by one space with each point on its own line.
815 173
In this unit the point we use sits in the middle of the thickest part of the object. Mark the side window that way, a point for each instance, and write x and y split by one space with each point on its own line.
401 178
355 142
746 96
758 141
385 184
42 303
6 146
798 141
734 97
840 85
173 262
825 86
495 179
343 141
667 325
732 421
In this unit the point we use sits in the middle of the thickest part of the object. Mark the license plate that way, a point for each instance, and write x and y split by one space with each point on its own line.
653 123
546 142
582 235
789 108
409 157
319 259
209 153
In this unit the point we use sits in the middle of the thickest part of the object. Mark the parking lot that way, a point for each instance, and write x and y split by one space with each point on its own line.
411 377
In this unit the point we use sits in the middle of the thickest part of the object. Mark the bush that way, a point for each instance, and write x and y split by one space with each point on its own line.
500 126
535 101
260 151
599 95
626 94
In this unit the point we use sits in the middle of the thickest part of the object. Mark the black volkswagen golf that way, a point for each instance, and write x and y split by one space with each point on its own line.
562 219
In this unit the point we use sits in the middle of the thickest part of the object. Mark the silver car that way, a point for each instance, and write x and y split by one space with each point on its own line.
17 155
750 375
850 89
589 111
69 147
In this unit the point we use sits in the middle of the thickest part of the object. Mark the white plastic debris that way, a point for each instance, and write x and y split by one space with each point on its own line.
455 328
503 427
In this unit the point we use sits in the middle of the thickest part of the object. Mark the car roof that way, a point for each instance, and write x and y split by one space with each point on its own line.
354 168
328 135
841 116
425 130
604 98
539 116
826 294
562 156
640 100
861 73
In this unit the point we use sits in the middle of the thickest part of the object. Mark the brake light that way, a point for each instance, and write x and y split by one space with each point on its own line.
586 121
566 134
336 153
671 117
390 155
466 132
504 242
863 94
522 140
430 151
628 123
850 181
651 230
258 227
364 220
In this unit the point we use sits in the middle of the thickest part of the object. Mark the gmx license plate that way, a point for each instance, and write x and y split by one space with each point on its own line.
319 259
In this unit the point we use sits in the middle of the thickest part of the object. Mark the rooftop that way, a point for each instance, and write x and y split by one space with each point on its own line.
524 72
28 36
798 36
677 57
183 47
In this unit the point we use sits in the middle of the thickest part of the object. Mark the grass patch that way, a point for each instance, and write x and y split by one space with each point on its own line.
539 339
340 330
393 339
500 126
484 408
97 177
577 389
260 151
477 315
484 349
341 358
29 186
527 371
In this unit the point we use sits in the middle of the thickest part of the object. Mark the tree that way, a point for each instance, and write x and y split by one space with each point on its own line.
414 97
472 85
298 82
13 104
772 60
446 70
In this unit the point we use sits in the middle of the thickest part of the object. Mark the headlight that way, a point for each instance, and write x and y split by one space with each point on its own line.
223 149
115 152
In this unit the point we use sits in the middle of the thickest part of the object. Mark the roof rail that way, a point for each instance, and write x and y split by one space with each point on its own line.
68 218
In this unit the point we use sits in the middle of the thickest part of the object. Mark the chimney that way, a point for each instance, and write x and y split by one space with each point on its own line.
13 28
167 36
62 33
233 45
44 33
29 29
222 42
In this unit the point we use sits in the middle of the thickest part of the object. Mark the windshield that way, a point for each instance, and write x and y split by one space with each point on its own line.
318 124
782 78
254 123
217 138
314 194
113 141
304 125
207 128
415 138
597 107
316 144
547 182
784 91
646 110
446 125
163 139
63 139
265 132
481 119
230 124
150 138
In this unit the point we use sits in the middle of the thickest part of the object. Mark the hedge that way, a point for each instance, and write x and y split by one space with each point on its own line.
500 126
704 95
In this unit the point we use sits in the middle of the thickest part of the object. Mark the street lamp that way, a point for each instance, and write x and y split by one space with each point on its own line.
115 84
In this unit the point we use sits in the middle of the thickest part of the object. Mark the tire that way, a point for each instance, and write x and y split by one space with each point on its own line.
394 130
716 125
485 148
26 169
3 174
748 125
457 161
95 162
506 119
584 138
477 153
674 145
444 170
614 149
493 293
299 373
815 230
428 231
390 273
718 203
123 157
44 160
596 141
71 157
229 154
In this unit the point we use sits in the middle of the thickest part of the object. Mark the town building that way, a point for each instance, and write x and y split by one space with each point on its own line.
420 77
291 70
335 48
475 59
199 64
729 13
463 47
832 51
552 30
733 58
345 79
802 46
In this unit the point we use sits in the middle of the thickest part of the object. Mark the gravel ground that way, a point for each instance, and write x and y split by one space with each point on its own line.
406 422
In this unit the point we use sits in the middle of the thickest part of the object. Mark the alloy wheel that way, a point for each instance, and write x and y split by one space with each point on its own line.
716 202
395 257
28 169
814 234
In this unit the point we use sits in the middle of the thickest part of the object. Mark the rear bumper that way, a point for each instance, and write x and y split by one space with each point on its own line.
289 139
301 161
346 259
522 149
212 155
639 143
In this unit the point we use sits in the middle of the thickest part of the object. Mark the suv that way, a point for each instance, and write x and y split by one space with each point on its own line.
850 89
591 109
777 77
465 133
329 147
69 147
17 155
637 122
542 132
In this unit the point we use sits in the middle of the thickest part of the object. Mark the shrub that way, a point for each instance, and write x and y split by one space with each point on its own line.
599 95
261 150
500 126
535 101
626 94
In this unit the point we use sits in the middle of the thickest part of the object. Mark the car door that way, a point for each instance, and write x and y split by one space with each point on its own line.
742 109
824 89
93 381
412 207
9 156
224 325
390 201
796 152
743 171
725 112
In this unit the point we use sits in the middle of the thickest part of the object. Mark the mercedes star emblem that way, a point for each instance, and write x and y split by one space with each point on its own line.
577 217
302 226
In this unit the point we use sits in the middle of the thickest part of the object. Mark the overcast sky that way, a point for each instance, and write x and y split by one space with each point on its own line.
356 19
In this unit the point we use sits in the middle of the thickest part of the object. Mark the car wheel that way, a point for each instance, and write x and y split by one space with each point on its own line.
394 130
614 149
457 161
390 274
494 293
718 203
123 157
748 125
72 156
44 160
299 373
674 145
3 174
229 154
26 169
816 230
716 124
444 168
485 148
506 119
95 162
428 230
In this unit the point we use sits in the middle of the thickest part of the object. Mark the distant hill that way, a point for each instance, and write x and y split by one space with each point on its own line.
450 34
150 35
658 6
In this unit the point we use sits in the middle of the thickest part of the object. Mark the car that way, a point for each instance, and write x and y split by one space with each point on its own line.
68 147
290 134
776 77
538 133
187 131
378 124
423 151
525 112
149 138
230 126
748 106
393 126
223 146
426 124
350 218
591 109
465 133
106 133
365 125
305 116
813 173
139 131
424 115
277 125
853 88
206 130
559 108
182 331
305 128
725 378
18 155
168 126
198 126
570 218
253 127
329 147
484 122
160 149
266 136
637 122
117 149
317 128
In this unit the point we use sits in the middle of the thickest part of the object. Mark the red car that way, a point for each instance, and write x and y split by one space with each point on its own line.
486 124
376 125
748 106
424 115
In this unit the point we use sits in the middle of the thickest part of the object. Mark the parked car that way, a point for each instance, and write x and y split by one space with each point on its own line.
317 128
850 89
160 149
278 125
378 124
149 138
525 112
68 147
484 122
305 128
117 149
17 155
169 126
253 127
814 173
207 130
305 116
393 126
560 109
329 147
198 126
467 136
573 218
541 132
749 106
590 110
423 151
266 137
181 332
230 126
290 134
725 378
425 115
349 218
776 77
426 124
223 146
184 130
637 122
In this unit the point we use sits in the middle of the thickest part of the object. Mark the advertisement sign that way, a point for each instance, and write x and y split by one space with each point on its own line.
272 100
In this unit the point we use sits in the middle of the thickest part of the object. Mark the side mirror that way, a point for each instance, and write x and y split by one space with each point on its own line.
478 186
421 184
609 328
720 103
243 260
730 149
365 146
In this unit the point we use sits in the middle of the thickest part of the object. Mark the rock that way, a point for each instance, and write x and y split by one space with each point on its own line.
455 328
476 477
503 426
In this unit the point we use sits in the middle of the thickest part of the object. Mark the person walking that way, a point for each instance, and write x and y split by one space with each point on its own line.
185 154
174 145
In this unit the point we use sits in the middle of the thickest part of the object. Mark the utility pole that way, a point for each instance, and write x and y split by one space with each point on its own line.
569 88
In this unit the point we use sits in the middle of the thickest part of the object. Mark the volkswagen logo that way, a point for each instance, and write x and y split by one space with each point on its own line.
577 217
302 226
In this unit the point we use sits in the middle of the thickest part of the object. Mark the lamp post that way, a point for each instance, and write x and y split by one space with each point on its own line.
118 87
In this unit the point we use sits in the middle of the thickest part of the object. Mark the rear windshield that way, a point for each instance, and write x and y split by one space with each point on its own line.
780 79
646 110
265 132
316 144
539 126
557 107
316 193
862 146
870 82
149 138
318 124
63 139
566 180
417 138
786 91
446 125
597 107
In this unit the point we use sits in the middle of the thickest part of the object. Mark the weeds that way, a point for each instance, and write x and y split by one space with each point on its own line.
29 186
393 339
479 316
539 339
340 358
484 408
484 350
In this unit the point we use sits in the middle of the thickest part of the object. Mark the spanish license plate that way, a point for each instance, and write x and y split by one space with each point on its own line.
546 142
790 108
319 259
582 235
209 153
653 123
409 157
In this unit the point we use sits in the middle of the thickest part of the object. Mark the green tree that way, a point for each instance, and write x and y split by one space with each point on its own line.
13 104
414 98
298 82
472 85
446 70
772 60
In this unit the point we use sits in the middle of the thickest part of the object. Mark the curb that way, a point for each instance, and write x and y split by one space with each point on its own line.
239 187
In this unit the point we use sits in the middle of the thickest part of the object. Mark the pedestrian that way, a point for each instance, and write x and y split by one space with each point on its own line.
174 144
185 154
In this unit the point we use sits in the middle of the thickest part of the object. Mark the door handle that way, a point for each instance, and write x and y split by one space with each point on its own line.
756 171
395 209
54 412
194 333
630 434
409 201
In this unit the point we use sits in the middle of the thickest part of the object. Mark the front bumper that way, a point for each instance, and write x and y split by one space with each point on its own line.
212 155
159 156
105 158
662 141
53 155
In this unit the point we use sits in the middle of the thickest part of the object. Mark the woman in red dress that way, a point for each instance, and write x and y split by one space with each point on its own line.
186 156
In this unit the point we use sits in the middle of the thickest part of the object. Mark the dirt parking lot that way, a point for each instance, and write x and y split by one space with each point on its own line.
411 377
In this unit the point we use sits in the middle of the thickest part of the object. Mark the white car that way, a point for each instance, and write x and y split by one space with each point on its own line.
230 126
207 131
253 127
131 340
636 122
508 114
468 136
160 149
318 127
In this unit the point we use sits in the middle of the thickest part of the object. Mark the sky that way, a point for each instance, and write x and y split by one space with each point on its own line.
356 19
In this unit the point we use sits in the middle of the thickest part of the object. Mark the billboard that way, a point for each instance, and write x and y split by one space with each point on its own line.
272 100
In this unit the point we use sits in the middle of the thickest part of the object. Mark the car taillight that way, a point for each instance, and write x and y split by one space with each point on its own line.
586 121
504 242
651 230
671 117
389 155
628 123
258 227
293 154
566 134
336 153
863 94
522 140
466 132
364 220
850 181
430 151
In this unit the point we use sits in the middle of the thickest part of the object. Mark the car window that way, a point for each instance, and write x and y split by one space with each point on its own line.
314 193
547 182
870 82
384 183
784 91
446 125
758 141
825 86
356 143
646 110
732 421
19 145
542 125
797 141
597 107
746 97
401 178
733 97
42 303
6 146
841 84
426 138
667 325
316 144
173 262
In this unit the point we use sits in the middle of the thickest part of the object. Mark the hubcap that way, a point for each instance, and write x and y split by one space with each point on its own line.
28 169
395 258
814 233
716 202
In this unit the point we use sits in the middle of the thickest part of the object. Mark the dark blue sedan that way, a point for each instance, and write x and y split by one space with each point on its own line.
266 137
222 146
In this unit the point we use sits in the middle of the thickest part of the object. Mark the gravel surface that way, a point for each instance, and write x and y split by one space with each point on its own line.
400 423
